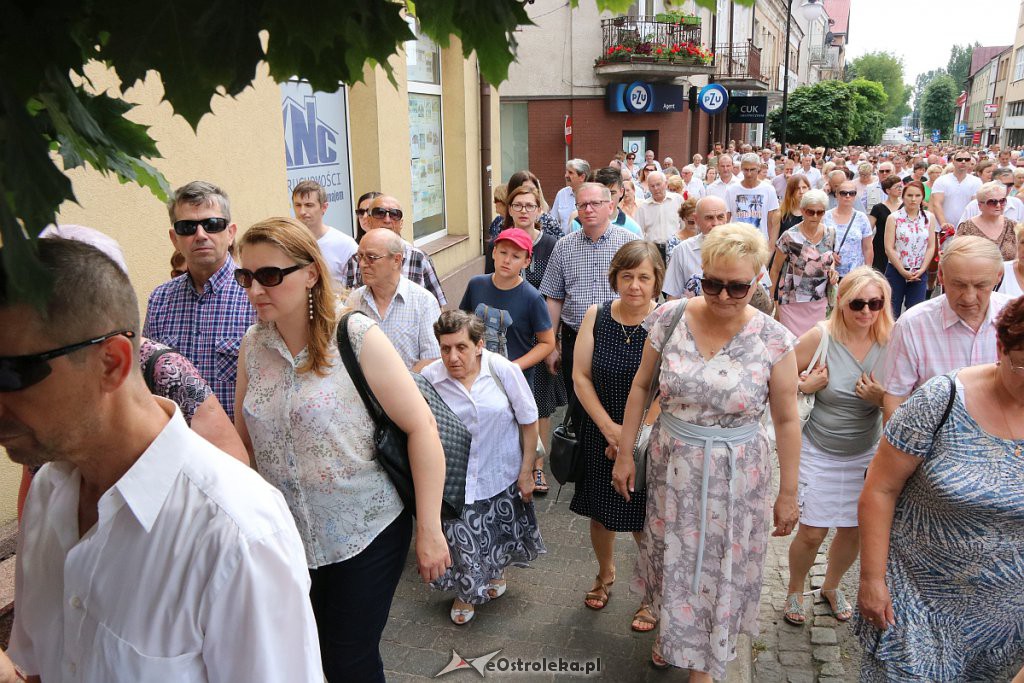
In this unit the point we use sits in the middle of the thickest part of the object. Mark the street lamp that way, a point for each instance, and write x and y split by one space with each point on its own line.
811 10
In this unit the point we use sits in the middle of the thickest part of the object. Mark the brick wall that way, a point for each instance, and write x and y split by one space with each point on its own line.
597 135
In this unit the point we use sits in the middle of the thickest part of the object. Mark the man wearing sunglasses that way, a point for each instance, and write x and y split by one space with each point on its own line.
385 212
309 201
952 192
203 313
145 553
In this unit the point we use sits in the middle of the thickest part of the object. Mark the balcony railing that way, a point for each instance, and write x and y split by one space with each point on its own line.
823 56
644 40
739 62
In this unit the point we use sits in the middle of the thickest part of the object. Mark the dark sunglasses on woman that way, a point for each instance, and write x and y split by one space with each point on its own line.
872 304
213 224
21 372
268 276
735 290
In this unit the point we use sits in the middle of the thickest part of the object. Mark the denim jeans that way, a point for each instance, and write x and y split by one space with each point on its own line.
904 294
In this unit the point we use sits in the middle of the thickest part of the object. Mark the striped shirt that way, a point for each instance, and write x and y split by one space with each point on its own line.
206 328
416 266
577 272
930 339
408 321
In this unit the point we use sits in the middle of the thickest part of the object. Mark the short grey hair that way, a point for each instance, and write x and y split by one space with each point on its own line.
750 158
988 189
605 192
578 166
199 193
971 246
655 175
1000 172
865 167
814 198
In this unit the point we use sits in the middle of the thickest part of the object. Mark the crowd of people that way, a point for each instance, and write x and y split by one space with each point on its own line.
856 313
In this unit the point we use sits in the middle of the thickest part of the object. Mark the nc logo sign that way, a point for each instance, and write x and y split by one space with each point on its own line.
308 141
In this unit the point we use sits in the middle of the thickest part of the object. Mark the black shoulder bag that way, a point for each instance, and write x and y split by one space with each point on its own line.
391 443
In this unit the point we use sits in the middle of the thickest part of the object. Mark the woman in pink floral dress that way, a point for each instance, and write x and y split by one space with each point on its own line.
709 470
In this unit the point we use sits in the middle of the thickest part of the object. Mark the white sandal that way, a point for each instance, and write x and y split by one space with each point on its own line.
466 615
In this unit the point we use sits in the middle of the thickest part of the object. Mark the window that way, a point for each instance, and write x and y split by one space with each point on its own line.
1018 65
423 59
515 137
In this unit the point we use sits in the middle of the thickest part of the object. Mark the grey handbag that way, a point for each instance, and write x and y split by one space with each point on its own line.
643 435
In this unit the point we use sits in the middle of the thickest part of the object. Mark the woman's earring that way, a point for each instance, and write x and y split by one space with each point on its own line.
310 293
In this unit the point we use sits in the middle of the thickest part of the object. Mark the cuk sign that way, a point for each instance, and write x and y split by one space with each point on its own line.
748 109
316 147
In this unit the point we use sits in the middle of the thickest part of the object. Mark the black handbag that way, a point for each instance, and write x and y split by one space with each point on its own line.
391 443
566 459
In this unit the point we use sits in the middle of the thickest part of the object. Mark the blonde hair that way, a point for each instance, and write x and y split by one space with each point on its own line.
988 189
675 184
971 246
1018 231
850 287
732 242
296 241
500 193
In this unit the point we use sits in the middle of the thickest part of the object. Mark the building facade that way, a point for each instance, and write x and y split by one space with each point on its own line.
986 83
1012 133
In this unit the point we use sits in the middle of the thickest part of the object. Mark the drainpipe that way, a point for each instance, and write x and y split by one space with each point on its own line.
485 160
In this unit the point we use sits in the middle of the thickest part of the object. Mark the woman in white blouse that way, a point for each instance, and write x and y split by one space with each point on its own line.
498 526
303 422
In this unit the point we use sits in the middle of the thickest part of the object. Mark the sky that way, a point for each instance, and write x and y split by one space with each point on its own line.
922 32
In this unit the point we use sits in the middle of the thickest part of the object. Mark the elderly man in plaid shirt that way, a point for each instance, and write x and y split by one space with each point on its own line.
203 313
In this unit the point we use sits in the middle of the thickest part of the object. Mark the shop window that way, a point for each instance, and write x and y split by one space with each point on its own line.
426 136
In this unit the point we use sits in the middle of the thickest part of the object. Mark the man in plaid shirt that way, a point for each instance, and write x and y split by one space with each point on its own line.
203 313
386 212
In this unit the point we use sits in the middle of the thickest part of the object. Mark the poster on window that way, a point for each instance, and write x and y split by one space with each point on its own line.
427 170
316 147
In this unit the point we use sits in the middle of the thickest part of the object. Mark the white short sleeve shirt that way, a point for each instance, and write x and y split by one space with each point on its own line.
956 194
752 205
337 248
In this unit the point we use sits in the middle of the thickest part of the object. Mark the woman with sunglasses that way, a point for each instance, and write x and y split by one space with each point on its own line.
909 246
840 436
705 533
991 223
645 172
807 250
942 526
363 212
853 230
303 420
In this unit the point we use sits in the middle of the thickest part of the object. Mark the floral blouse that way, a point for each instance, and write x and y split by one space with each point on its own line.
174 377
313 439
807 265
911 238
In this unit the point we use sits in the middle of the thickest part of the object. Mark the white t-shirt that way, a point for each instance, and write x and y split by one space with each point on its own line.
751 205
1014 210
337 248
721 189
1009 285
956 195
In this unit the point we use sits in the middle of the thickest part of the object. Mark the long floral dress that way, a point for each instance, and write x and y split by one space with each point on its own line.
698 630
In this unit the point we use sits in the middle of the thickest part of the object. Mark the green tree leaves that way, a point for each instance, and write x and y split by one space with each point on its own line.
820 115
869 105
959 64
938 105
887 69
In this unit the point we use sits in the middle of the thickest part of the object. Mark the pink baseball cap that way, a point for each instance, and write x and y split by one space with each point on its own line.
517 237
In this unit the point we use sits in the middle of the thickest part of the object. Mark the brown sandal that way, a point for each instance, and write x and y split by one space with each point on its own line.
643 617
600 593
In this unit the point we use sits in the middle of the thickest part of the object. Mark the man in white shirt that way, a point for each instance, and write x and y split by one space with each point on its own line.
755 202
649 159
145 553
700 171
682 276
726 178
309 201
404 311
659 216
693 186
576 172
1014 209
952 192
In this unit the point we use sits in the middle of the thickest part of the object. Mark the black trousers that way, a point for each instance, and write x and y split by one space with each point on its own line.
568 352
351 600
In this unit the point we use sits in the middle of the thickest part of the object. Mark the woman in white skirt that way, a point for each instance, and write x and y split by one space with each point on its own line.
841 435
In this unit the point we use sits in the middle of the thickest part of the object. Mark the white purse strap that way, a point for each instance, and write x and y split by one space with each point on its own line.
822 351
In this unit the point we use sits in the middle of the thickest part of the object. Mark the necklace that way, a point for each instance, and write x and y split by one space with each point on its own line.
635 328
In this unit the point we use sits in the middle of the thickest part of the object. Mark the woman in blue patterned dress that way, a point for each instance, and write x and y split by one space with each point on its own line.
942 527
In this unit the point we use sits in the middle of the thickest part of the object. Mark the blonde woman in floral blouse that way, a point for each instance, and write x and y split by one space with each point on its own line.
302 419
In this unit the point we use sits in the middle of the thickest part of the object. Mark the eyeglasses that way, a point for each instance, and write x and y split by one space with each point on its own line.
368 258
996 202
523 207
883 170
21 372
268 276
847 193
583 206
814 213
211 225
962 159
379 212
872 304
735 290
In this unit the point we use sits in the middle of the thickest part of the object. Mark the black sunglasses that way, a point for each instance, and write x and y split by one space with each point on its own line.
268 276
735 290
962 159
189 227
363 212
847 193
380 212
872 304
21 372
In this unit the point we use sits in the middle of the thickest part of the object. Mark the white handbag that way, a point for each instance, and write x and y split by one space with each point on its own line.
805 402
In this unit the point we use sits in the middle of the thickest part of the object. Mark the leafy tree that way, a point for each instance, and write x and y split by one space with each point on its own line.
887 69
868 118
938 105
960 63
200 50
821 114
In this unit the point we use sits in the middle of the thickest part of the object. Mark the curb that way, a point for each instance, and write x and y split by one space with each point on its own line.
740 670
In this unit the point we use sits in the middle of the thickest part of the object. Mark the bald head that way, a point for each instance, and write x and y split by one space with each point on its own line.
711 211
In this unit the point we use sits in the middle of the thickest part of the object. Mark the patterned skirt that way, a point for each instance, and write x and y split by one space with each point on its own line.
489 536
